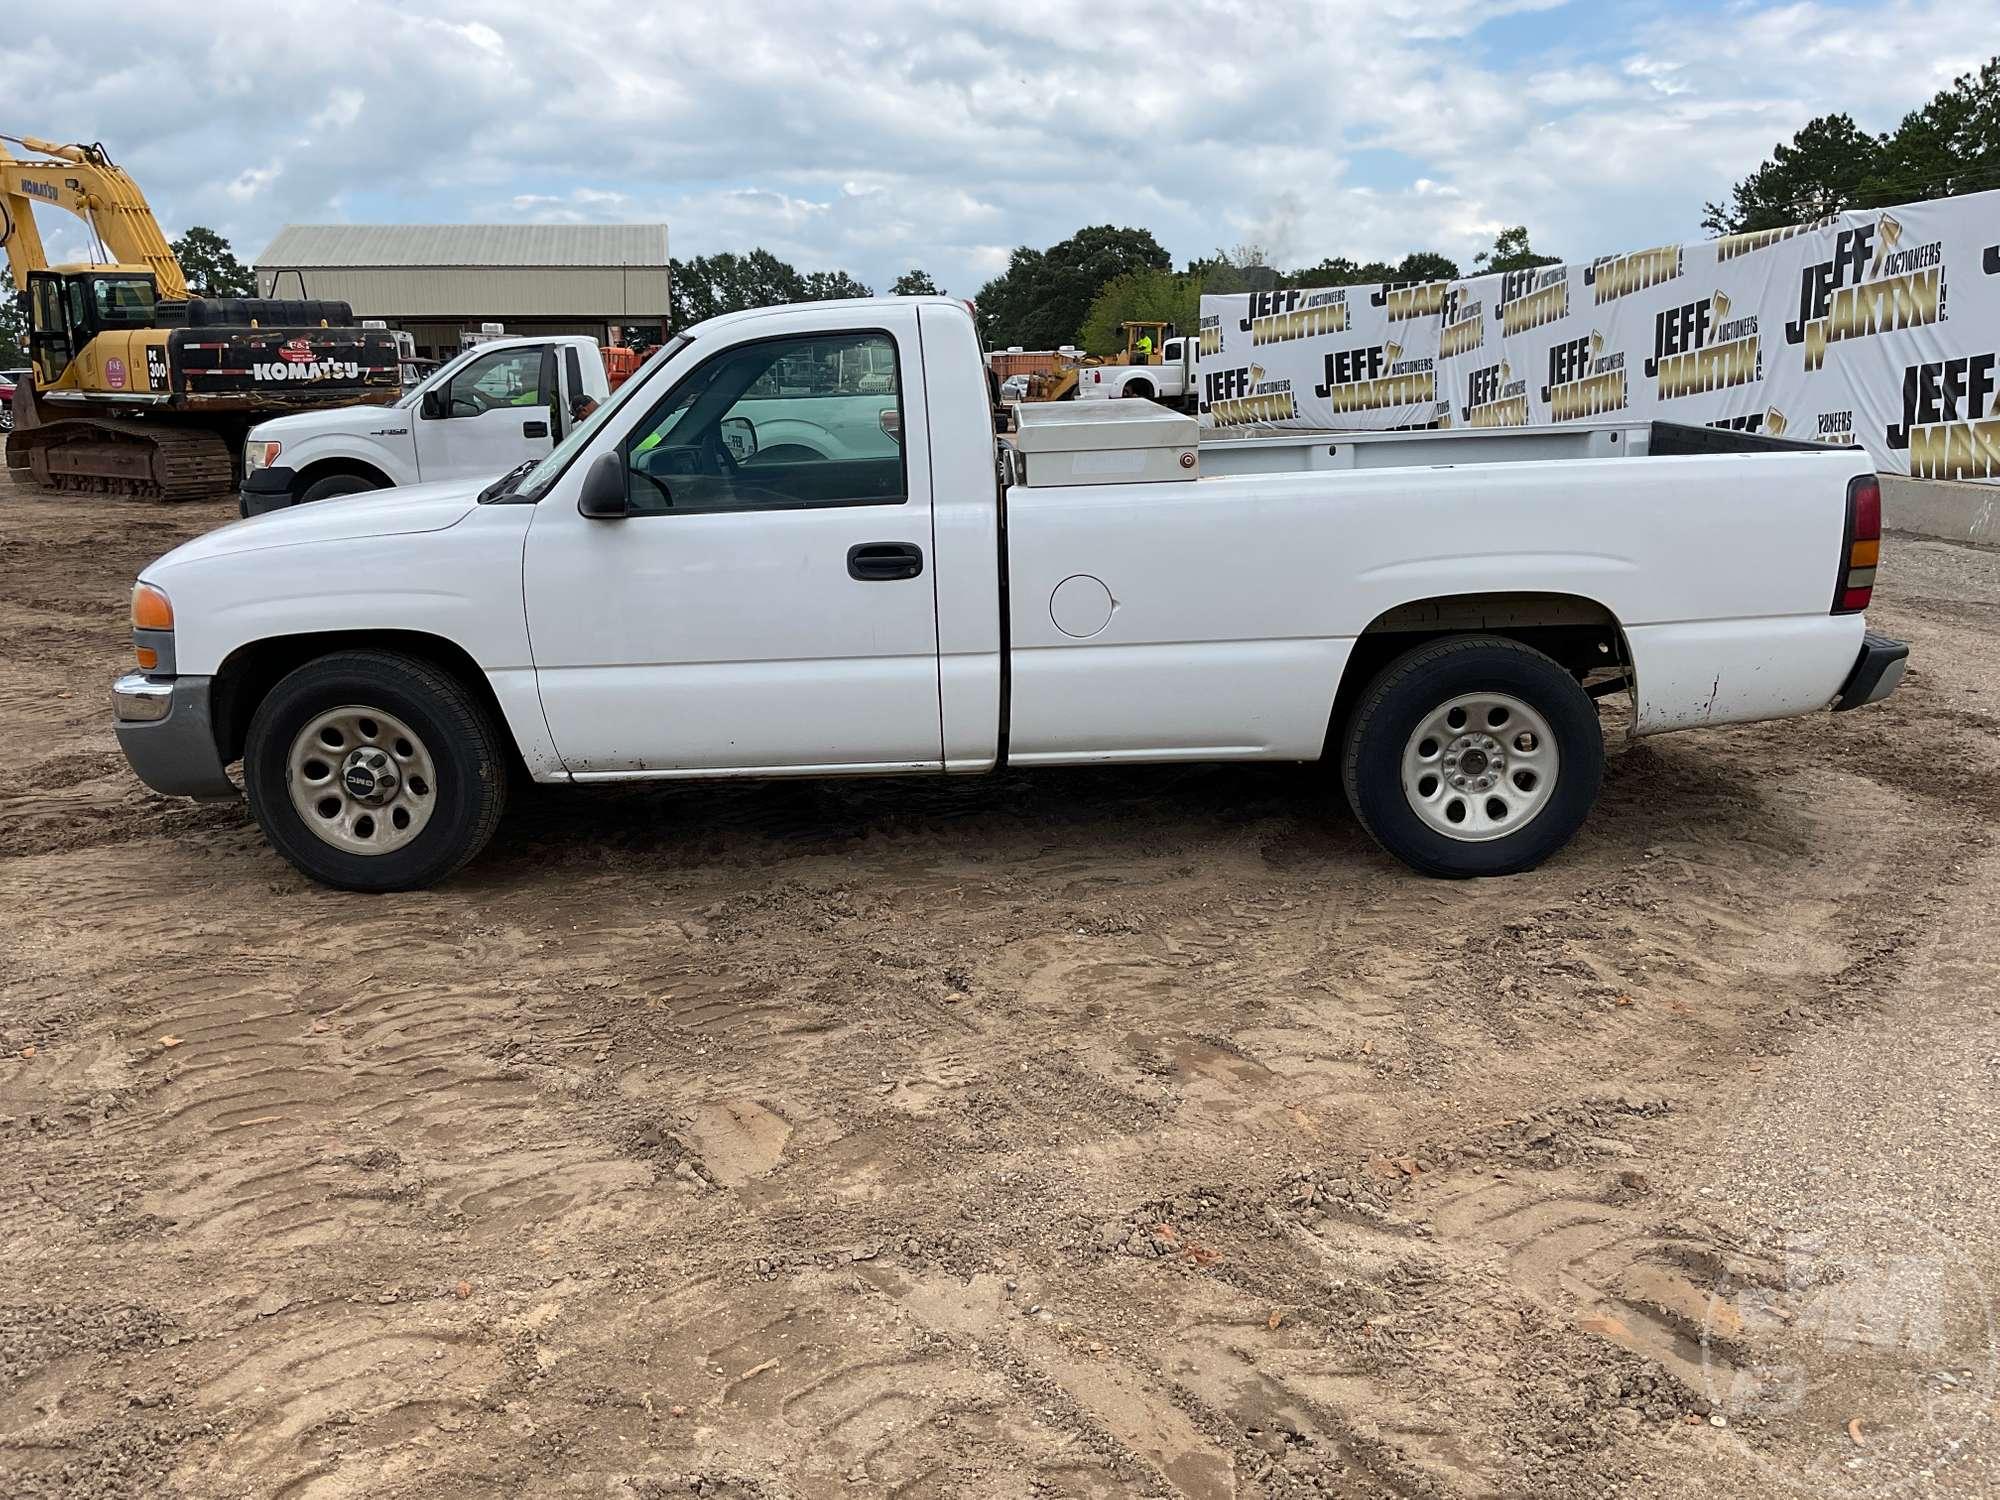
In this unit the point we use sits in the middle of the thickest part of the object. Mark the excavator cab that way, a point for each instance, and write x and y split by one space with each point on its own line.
68 307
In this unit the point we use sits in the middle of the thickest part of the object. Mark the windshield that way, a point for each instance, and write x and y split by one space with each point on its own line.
545 473
415 394
122 301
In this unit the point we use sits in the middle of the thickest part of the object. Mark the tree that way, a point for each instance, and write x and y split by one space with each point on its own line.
1042 298
1247 268
1819 173
915 283
827 286
710 285
1512 252
1338 270
1140 296
13 332
210 266
1951 145
1427 265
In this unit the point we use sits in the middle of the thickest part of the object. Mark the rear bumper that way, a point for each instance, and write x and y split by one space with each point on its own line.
163 726
1878 672
265 490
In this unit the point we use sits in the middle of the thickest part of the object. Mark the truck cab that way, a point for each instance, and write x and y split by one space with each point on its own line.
498 403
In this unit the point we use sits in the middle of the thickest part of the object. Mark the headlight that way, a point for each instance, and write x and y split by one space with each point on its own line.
261 455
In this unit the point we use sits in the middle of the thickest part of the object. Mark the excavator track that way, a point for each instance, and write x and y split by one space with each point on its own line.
111 456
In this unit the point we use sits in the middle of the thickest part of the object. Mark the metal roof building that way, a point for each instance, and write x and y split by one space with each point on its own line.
439 280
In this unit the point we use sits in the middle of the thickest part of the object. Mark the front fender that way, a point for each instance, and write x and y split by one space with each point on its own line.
390 450
460 584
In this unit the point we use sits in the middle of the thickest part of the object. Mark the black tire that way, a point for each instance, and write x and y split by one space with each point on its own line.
472 767
1138 390
327 487
1417 684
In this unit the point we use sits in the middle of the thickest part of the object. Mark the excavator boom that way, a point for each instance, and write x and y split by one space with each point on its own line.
86 182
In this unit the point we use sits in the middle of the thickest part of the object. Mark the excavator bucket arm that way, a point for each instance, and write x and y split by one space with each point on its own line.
87 183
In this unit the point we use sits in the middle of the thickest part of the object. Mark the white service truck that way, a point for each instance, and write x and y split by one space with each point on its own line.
495 405
1431 615
1171 381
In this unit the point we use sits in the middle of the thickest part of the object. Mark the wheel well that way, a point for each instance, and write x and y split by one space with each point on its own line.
788 453
323 468
1142 388
251 671
1578 633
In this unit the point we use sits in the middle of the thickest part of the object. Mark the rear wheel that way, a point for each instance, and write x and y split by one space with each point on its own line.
1474 755
336 484
373 771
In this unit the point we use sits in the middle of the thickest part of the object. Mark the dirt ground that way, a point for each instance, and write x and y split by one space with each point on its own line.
1124 1133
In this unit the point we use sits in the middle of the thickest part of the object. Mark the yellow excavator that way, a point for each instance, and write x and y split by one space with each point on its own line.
139 388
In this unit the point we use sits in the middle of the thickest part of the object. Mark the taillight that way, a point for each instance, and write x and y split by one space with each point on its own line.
1862 547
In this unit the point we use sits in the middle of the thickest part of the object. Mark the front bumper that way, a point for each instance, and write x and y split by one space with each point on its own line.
265 490
1878 672
164 728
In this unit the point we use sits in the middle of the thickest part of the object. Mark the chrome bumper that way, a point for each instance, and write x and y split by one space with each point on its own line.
163 726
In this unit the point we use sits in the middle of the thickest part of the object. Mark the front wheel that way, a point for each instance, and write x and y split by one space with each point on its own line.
1473 755
374 771
333 485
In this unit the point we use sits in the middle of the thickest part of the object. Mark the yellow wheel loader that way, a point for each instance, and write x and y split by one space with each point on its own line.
137 387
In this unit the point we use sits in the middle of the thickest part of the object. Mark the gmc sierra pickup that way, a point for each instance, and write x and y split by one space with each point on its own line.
664 595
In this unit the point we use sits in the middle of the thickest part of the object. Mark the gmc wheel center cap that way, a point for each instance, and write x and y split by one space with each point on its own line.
369 776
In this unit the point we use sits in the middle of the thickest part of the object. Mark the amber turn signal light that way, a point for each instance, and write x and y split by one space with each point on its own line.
150 609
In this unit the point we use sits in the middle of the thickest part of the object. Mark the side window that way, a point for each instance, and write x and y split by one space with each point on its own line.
506 377
778 424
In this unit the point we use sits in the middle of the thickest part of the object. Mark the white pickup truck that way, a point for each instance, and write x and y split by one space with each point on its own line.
1171 381
495 405
1431 615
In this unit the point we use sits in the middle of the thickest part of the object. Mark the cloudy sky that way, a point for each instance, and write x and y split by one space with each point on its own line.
875 135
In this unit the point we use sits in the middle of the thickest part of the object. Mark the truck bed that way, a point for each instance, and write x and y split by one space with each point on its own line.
1304 452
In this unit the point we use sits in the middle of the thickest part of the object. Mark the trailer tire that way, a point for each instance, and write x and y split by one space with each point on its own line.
375 771
1473 755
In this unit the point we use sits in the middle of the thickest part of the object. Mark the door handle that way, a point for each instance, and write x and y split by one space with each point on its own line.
534 429
884 562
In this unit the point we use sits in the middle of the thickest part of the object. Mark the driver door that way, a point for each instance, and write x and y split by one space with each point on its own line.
491 415
49 342
745 616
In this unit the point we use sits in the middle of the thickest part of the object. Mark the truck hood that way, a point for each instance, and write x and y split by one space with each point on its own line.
397 512
364 421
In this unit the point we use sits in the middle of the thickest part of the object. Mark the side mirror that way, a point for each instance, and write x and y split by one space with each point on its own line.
433 404
740 433
605 496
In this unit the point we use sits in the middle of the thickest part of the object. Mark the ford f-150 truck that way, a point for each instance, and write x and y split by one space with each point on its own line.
496 404
1431 615
1171 382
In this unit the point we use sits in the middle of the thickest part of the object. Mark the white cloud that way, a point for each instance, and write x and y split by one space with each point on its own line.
941 132
343 108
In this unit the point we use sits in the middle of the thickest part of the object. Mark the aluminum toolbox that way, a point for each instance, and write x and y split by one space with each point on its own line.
1105 442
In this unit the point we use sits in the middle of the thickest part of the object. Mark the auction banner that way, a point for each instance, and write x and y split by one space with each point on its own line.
1332 357
1876 328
